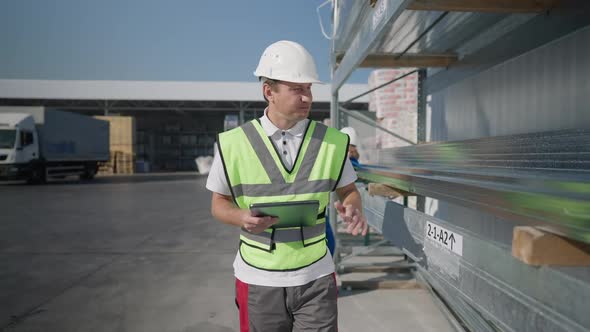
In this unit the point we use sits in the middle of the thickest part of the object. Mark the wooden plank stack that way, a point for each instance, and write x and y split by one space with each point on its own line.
537 247
122 145
107 168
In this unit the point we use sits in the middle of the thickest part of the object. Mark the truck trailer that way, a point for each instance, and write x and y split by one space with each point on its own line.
37 143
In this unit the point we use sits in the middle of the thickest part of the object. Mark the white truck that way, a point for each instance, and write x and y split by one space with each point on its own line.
38 142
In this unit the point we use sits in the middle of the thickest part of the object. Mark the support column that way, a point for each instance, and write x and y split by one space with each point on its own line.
421 125
334 122
241 113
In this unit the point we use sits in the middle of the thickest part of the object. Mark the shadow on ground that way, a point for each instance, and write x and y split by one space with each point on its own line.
110 179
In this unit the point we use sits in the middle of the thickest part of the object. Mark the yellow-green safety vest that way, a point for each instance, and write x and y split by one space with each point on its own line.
256 174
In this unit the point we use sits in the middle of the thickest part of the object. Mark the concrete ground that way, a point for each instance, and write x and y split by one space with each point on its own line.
142 253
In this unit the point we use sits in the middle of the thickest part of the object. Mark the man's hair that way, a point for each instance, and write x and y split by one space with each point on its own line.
269 82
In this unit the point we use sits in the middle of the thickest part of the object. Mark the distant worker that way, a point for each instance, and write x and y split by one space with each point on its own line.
353 153
285 278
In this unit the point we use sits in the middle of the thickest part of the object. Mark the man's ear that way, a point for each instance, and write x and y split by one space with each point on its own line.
267 91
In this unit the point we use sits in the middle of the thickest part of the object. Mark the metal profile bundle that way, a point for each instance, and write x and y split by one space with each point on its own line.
541 179
482 283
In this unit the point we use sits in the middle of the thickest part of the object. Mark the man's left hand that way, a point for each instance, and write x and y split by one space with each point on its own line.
357 223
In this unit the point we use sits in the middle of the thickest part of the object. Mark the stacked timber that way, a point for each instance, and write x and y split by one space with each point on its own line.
122 145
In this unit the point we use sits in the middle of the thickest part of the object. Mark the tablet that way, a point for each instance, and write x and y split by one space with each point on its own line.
290 214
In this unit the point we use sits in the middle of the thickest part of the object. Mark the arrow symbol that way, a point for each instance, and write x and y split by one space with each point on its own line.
452 239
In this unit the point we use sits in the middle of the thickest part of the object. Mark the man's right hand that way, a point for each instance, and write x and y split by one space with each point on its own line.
225 210
256 225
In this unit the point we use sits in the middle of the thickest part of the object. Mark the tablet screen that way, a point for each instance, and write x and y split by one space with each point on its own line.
290 214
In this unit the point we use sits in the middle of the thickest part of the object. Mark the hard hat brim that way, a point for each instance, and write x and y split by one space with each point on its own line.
303 80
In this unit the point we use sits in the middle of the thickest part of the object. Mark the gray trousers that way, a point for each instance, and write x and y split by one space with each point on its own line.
310 307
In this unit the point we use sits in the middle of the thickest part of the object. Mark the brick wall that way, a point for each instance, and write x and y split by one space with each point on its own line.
395 106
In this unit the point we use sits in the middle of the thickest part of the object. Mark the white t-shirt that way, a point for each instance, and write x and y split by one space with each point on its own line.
287 143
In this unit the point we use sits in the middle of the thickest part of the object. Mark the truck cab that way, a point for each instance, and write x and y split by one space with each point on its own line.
19 145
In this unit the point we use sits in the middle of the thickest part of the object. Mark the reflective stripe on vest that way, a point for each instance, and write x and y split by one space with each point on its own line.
284 235
255 174
258 190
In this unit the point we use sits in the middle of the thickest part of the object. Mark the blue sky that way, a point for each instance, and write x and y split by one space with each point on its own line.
172 40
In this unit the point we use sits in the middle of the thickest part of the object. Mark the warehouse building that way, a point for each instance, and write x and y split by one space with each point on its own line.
172 122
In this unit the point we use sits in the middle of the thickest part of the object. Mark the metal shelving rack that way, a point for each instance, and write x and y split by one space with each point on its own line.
486 183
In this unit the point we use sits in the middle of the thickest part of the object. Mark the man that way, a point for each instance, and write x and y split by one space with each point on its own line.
285 277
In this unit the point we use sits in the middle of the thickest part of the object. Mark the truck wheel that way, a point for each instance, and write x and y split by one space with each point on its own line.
89 173
38 175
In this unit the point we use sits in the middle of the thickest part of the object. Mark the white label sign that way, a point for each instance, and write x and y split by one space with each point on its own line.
444 237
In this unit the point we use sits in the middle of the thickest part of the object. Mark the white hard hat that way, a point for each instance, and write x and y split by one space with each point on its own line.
351 133
287 61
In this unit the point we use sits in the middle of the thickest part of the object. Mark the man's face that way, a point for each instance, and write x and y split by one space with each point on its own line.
291 101
353 152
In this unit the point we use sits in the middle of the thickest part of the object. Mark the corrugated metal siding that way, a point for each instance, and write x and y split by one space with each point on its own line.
545 89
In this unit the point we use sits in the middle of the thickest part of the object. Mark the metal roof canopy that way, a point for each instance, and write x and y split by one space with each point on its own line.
152 95
150 90
463 37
